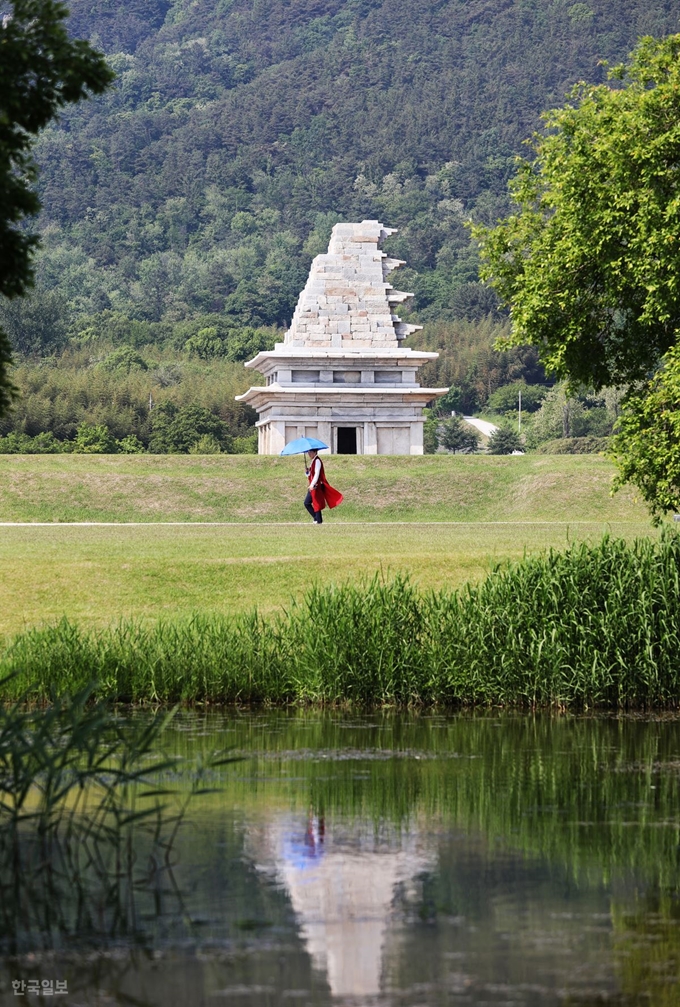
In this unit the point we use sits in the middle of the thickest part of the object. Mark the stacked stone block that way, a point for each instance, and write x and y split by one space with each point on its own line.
347 301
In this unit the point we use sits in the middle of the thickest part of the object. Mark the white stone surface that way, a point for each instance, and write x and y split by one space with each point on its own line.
344 332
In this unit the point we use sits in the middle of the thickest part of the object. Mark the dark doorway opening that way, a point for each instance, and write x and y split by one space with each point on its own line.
347 440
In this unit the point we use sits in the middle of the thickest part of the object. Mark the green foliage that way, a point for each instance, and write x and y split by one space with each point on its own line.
246 445
41 71
183 429
568 415
457 436
60 393
506 398
195 193
452 402
504 441
130 445
207 444
237 135
247 343
114 327
430 441
592 626
589 262
124 358
94 440
21 444
470 364
37 325
646 445
234 344
206 344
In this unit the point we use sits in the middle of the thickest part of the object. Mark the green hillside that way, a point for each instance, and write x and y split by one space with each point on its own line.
240 130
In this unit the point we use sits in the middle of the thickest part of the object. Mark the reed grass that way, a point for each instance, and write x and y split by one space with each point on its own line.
87 825
594 626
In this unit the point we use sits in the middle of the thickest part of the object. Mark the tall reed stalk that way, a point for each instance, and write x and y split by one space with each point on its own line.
594 626
86 831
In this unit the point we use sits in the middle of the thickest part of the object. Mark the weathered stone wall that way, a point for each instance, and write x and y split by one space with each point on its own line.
347 301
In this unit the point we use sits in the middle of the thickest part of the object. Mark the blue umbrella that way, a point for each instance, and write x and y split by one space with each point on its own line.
302 444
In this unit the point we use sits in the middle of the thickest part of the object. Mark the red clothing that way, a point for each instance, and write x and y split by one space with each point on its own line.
322 494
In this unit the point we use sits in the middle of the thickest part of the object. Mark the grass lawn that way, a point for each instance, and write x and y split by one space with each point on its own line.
492 509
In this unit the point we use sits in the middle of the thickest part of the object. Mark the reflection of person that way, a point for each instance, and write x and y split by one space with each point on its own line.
319 493
300 852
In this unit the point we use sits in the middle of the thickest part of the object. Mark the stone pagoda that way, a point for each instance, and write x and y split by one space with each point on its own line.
342 374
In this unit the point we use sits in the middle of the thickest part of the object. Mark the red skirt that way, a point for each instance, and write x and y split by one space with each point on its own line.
324 495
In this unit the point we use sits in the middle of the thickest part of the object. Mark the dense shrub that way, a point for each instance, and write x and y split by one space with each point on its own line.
179 430
430 438
506 398
22 444
245 445
574 446
235 344
124 358
95 440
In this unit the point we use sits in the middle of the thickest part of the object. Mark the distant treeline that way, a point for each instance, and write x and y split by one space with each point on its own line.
107 382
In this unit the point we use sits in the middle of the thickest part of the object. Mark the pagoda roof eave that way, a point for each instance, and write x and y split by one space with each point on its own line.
309 353
275 392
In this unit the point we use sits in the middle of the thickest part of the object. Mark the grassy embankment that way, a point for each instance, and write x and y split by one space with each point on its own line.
494 509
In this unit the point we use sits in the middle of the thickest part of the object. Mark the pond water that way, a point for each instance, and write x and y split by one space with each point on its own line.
408 861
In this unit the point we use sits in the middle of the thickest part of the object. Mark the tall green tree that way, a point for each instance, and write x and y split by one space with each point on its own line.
456 436
41 70
646 445
589 262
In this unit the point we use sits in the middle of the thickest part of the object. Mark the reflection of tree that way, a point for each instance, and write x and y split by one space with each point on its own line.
577 790
647 947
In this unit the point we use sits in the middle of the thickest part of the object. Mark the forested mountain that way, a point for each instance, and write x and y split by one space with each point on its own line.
182 209
239 131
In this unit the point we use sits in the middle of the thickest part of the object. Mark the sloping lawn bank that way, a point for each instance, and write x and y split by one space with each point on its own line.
595 626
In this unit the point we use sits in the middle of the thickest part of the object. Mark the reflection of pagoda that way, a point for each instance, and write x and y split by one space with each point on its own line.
342 894
341 374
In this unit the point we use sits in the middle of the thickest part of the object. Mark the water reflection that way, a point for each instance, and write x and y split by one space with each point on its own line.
413 862
342 885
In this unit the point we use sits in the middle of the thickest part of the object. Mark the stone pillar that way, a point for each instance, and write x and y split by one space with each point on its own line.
417 438
370 439
277 437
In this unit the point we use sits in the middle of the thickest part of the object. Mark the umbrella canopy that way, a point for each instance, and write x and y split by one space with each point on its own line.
302 444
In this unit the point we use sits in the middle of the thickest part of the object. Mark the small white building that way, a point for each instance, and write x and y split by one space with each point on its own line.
342 373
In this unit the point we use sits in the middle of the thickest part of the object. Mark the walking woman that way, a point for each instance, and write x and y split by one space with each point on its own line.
319 493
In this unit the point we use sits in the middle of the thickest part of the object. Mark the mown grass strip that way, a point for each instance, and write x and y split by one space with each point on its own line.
595 626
